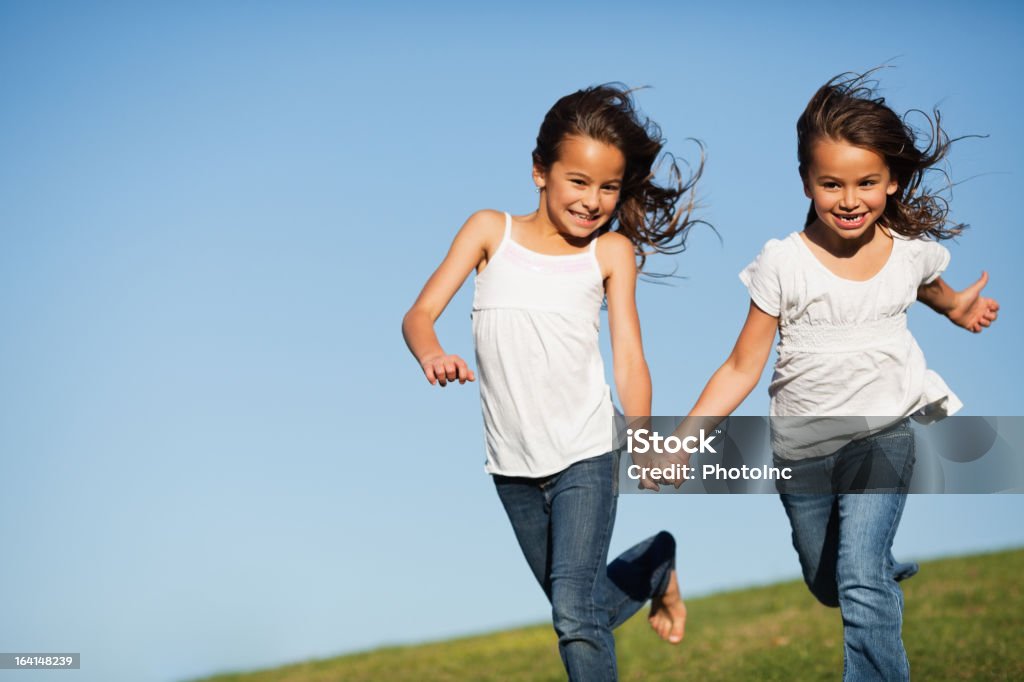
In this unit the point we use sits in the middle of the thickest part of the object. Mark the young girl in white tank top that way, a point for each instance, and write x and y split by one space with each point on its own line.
523 301
548 413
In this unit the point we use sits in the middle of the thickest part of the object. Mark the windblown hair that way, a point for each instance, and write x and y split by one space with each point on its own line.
653 217
848 109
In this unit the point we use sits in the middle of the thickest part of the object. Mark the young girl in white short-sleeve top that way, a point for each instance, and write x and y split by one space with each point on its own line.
837 293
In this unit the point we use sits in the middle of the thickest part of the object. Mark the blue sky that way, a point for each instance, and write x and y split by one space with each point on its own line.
217 452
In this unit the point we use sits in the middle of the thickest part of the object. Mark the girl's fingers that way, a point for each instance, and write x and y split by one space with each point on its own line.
973 291
448 368
462 371
465 373
647 484
440 373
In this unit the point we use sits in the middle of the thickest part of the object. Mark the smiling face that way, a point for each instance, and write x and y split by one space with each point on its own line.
580 191
849 187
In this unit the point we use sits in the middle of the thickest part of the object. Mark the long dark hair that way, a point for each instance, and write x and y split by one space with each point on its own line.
848 109
653 217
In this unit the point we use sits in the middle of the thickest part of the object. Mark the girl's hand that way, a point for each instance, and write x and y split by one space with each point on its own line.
440 369
971 310
644 482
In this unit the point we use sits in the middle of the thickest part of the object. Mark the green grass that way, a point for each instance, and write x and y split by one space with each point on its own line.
964 620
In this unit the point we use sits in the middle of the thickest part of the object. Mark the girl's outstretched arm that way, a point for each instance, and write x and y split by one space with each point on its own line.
632 376
733 381
967 308
469 249
736 378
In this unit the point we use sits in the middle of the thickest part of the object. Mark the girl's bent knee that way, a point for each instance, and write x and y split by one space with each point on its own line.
827 597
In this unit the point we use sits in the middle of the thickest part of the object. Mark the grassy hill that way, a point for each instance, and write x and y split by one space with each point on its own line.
964 620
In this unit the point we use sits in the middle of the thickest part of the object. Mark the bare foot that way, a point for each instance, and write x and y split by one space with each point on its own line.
668 612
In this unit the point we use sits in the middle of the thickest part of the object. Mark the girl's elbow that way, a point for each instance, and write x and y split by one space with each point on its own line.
752 375
407 319
629 354
747 370
415 318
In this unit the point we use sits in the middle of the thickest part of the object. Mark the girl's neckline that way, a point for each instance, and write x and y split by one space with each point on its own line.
508 237
550 255
806 247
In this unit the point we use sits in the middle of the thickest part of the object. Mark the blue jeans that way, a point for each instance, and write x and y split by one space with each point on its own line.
564 523
844 540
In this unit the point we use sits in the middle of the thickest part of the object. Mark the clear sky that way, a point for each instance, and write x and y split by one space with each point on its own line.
216 452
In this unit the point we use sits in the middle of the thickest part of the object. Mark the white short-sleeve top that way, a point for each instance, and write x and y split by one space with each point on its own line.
844 346
536 318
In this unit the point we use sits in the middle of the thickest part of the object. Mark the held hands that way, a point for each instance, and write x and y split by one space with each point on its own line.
971 310
645 462
654 466
440 369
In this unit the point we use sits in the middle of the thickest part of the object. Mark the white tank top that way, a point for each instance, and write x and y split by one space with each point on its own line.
545 400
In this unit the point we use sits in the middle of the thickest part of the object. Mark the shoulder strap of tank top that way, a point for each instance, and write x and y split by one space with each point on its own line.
592 250
507 237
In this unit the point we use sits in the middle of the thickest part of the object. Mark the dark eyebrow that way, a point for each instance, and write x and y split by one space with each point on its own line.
870 176
587 177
